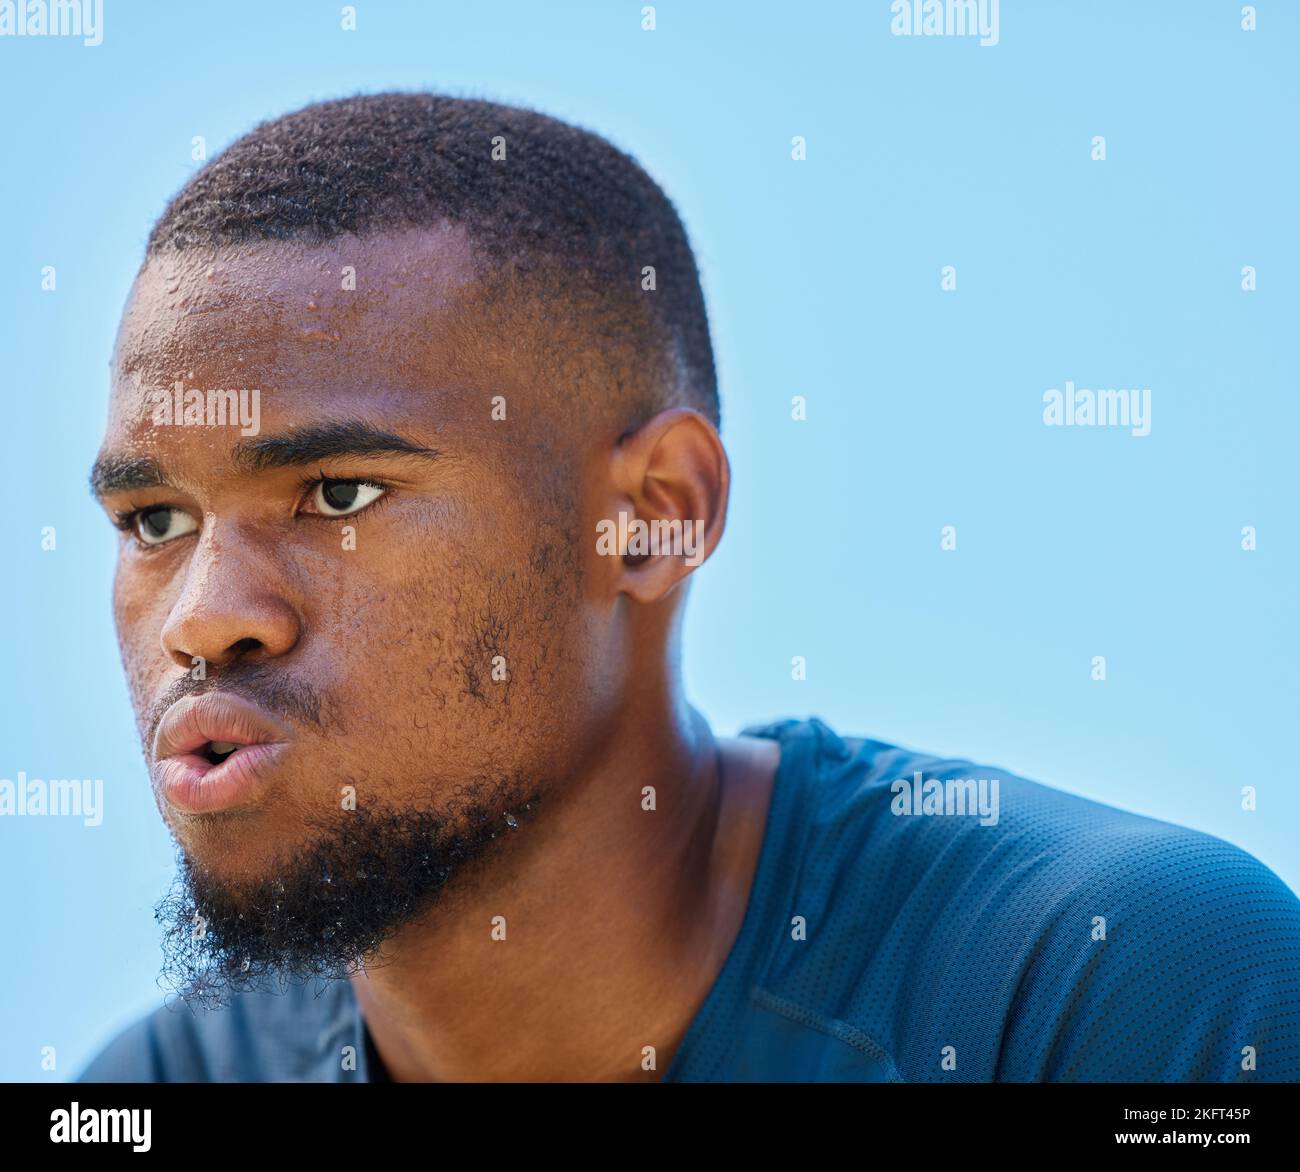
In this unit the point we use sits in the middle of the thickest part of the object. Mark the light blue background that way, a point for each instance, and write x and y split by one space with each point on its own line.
924 407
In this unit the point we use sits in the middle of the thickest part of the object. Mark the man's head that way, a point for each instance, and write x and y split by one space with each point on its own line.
475 333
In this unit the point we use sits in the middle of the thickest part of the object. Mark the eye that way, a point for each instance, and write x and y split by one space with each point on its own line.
338 498
158 525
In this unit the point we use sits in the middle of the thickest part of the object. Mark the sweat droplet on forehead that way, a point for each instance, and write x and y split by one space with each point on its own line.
393 311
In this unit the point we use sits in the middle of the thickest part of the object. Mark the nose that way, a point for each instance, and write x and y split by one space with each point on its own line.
234 605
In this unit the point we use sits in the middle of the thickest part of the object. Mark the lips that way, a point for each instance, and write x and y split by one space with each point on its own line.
216 752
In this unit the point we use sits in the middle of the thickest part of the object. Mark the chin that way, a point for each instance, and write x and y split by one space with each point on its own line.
237 847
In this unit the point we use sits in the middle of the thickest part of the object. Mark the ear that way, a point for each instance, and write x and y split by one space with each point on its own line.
667 503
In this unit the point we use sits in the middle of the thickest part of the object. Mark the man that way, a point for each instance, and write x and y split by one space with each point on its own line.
401 389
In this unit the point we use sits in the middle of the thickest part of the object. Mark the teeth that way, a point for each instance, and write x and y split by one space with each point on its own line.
224 746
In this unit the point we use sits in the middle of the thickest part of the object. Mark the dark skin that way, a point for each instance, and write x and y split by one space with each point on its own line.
618 918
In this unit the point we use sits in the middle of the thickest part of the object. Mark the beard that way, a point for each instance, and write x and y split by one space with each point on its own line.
324 911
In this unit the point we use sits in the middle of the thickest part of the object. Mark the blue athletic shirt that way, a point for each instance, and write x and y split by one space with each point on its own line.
897 931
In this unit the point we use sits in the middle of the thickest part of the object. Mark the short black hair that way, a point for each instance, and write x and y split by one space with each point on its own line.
374 162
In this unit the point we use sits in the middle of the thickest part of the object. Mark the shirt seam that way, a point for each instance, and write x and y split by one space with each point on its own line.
841 1031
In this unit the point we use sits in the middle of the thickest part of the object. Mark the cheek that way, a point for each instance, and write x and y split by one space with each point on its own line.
138 615
453 665
382 648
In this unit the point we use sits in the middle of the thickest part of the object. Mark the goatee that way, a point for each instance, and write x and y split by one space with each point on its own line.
325 911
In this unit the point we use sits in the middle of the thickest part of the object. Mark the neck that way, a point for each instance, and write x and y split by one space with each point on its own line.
595 935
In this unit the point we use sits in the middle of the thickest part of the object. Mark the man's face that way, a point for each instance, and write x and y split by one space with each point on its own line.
395 625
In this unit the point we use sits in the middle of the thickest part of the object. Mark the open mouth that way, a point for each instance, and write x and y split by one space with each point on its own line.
195 741
215 752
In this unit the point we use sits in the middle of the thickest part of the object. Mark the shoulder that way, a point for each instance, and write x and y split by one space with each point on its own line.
1095 942
295 1032
1170 955
943 821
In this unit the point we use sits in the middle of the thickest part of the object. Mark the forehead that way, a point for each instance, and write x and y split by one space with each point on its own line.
390 313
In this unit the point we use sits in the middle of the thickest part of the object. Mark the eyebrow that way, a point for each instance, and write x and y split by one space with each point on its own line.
114 473
322 441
